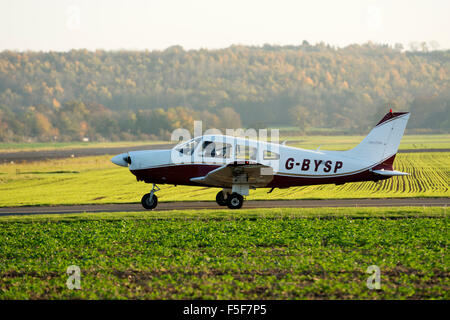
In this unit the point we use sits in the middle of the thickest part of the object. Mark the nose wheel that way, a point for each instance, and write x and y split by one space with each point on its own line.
149 201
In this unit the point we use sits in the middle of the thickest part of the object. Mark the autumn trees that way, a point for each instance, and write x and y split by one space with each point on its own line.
142 94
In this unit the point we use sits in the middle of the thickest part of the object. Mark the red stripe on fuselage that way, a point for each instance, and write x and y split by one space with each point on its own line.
182 174
280 181
174 174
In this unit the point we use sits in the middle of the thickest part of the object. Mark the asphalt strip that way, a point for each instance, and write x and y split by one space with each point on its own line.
197 205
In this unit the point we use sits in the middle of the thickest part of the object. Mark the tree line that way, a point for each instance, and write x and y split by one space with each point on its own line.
124 95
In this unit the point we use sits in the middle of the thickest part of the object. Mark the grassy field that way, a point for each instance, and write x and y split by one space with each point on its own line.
97 180
218 254
339 142
40 146
432 141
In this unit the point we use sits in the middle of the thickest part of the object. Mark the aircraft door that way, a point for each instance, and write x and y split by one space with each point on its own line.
246 151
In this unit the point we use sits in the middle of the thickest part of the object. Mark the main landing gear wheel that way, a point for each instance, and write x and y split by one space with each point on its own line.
149 202
235 201
220 199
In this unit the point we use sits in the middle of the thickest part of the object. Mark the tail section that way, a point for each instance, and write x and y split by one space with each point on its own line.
386 168
383 141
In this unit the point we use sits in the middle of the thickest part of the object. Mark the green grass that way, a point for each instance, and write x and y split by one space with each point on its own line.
341 142
40 146
97 180
338 142
218 254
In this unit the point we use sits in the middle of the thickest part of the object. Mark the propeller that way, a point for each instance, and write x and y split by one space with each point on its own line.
128 159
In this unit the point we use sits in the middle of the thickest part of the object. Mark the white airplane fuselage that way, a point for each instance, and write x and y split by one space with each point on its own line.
238 165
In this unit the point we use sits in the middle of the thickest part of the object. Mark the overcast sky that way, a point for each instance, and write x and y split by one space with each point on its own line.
139 24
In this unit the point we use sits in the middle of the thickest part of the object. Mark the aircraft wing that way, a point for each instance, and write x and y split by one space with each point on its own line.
390 173
256 175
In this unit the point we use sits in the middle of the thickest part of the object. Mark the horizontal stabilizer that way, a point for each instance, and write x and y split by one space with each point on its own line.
390 173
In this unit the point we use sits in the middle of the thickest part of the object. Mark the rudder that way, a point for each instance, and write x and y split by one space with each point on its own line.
382 142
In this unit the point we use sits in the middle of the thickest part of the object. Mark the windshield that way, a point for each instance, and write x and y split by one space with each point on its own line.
188 148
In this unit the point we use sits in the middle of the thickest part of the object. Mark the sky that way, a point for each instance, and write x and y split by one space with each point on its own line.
61 25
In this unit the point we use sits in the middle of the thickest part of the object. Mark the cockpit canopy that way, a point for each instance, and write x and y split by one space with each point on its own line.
188 147
208 146
227 147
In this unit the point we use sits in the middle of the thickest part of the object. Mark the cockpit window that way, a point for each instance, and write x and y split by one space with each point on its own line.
270 155
188 148
216 149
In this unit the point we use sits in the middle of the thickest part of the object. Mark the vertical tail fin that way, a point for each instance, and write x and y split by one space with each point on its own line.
383 141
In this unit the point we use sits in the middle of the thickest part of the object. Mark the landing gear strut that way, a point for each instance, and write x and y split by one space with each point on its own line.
150 200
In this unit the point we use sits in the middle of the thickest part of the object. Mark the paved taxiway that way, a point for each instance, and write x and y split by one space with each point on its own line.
133 207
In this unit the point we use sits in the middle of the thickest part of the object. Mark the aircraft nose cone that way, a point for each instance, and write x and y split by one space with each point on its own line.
120 159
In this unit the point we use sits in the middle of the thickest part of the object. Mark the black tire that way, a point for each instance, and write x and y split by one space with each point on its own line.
148 203
235 201
220 199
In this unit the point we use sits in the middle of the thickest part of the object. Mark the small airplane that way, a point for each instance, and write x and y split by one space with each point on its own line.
237 165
